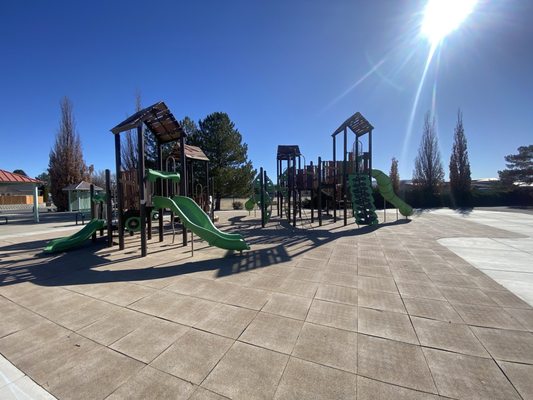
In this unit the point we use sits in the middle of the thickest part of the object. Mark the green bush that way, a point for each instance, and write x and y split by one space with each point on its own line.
237 205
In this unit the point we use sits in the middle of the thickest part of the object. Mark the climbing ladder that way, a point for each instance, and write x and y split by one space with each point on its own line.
363 206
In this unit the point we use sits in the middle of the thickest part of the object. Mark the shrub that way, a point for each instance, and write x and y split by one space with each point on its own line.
237 205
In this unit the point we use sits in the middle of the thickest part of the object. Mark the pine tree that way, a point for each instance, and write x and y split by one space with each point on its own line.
66 165
460 179
428 174
222 143
394 175
519 167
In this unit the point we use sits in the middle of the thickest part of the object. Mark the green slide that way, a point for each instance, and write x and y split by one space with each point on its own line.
385 188
196 220
75 240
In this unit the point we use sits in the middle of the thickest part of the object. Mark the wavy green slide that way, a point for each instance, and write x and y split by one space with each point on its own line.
75 240
196 220
385 188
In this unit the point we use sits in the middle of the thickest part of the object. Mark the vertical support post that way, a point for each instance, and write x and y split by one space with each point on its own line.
208 205
277 186
345 176
120 193
289 188
370 155
160 193
294 199
312 179
319 191
183 182
140 180
36 204
356 154
262 195
109 206
93 209
334 179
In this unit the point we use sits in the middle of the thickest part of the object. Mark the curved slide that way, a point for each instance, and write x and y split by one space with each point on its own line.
385 188
196 220
75 240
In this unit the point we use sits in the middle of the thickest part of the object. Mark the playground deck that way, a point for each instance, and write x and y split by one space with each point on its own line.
390 311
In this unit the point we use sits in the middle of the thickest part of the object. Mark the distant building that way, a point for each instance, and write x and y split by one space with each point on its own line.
79 195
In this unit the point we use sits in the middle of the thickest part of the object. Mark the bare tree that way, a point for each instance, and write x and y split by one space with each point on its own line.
129 145
428 174
394 175
66 165
460 179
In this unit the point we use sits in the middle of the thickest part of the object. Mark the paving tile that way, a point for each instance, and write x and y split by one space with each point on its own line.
204 394
433 309
520 376
410 276
378 284
385 324
448 336
186 285
288 306
455 280
92 375
247 372
16 318
525 317
376 271
114 326
158 304
336 315
380 301
337 294
272 332
507 299
31 339
306 380
226 320
125 293
370 389
8 372
507 345
491 317
150 383
297 288
466 377
393 362
327 346
193 355
466 296
419 290
253 299
189 310
150 339
303 274
335 278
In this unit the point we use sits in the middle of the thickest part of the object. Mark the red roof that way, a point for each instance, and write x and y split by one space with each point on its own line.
10 177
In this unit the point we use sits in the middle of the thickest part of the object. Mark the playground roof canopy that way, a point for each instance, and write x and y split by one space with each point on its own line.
191 152
158 119
288 151
357 124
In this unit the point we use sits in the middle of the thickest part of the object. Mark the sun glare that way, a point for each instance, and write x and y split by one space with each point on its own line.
444 16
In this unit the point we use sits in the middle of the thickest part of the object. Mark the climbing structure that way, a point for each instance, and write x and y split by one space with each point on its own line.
363 206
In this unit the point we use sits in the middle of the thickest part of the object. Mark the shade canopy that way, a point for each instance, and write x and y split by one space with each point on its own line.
357 124
286 152
158 119
191 152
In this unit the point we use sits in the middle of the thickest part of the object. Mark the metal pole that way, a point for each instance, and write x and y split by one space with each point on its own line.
160 166
109 206
183 182
334 179
294 198
262 195
120 193
344 177
91 197
319 191
370 155
277 185
140 179
36 204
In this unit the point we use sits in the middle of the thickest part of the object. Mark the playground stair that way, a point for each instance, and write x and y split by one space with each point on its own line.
363 206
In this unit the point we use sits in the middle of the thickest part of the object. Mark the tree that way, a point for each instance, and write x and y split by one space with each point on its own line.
428 174
519 167
129 144
98 179
394 175
20 172
45 187
222 143
460 179
66 165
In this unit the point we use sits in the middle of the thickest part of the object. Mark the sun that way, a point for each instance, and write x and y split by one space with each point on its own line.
444 16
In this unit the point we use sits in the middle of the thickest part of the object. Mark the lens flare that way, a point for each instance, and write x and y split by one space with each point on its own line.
444 16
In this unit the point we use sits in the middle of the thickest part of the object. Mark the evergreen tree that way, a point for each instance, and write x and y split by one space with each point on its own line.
519 167
460 179
20 172
428 174
66 165
394 175
222 143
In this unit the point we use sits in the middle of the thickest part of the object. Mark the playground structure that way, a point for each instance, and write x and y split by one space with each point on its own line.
145 193
341 184
262 193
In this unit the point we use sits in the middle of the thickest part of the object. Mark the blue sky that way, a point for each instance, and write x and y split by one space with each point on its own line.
280 69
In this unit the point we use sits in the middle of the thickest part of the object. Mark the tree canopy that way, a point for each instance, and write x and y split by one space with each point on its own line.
519 167
428 174
222 143
460 178
20 172
66 165
394 175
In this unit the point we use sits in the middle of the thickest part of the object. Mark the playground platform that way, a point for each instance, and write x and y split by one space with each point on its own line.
431 308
